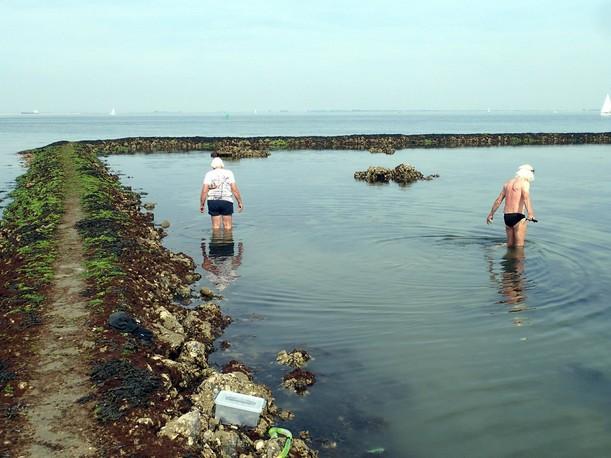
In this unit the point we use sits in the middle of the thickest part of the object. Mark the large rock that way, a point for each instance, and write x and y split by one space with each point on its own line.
169 321
194 354
188 426
237 382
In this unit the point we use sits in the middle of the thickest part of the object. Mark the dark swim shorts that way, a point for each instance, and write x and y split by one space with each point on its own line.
220 207
511 219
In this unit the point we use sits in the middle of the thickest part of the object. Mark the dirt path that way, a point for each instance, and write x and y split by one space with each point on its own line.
59 426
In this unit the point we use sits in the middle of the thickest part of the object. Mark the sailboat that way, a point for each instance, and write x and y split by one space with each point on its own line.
112 112
606 108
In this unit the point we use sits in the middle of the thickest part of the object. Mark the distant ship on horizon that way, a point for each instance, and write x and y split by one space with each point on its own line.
31 112
606 108
112 112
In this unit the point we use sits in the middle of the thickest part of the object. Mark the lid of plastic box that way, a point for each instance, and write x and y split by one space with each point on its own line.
239 401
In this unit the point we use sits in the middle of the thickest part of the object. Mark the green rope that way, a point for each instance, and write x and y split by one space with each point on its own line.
273 433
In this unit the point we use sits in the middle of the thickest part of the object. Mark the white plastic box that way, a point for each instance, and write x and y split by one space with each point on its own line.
238 409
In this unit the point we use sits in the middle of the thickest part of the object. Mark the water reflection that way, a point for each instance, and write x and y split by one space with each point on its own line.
511 280
220 258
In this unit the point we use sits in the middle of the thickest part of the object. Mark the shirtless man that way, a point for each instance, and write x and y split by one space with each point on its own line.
517 198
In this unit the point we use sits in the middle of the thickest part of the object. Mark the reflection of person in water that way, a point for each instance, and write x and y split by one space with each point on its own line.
220 260
511 280
512 276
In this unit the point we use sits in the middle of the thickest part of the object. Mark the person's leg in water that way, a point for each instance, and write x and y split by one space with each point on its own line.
227 222
520 233
511 238
216 222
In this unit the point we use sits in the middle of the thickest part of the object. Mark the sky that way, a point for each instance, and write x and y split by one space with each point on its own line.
245 55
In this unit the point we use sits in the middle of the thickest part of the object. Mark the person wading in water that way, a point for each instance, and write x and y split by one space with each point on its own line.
218 191
516 193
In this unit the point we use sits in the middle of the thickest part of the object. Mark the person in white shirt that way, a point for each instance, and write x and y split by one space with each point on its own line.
218 191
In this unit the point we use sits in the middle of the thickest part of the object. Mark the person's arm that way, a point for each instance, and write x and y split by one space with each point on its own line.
202 198
527 202
238 196
495 205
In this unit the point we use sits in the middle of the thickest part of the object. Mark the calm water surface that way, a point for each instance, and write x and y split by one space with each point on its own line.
430 339
407 300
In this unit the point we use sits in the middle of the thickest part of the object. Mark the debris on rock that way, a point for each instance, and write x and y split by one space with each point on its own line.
124 322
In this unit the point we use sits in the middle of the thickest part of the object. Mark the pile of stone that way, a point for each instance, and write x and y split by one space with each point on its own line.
402 174
239 152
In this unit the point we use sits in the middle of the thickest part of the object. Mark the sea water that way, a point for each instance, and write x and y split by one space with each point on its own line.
429 337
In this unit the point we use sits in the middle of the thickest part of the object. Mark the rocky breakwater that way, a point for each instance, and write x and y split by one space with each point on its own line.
238 147
402 174
154 389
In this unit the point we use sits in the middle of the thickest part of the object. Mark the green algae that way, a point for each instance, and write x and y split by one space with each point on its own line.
29 225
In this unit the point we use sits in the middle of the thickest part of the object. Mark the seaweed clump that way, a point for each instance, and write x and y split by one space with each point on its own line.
121 384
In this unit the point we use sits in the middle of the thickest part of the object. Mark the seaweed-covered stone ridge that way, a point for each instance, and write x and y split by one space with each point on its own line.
154 388
238 147
27 252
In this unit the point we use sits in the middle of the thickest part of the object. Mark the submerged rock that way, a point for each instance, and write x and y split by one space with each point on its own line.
375 175
207 294
299 381
402 174
296 358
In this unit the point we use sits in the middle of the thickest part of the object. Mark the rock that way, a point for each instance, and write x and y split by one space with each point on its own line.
145 421
234 381
298 381
199 329
406 173
194 353
149 205
285 415
208 294
228 443
237 367
273 447
173 339
183 292
402 174
296 358
169 321
165 224
375 175
188 426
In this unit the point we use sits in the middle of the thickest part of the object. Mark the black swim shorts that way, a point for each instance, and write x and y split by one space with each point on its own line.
511 219
220 207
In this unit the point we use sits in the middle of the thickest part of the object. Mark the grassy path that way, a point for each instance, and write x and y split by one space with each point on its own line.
60 426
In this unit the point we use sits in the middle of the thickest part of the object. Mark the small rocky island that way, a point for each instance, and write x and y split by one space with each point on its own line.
402 174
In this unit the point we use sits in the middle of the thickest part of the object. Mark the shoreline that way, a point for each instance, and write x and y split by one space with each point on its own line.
153 389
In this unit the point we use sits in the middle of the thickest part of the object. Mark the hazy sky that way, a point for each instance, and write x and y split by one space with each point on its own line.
241 55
